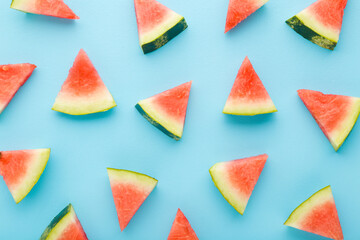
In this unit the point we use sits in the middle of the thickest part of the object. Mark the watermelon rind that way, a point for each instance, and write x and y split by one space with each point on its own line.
161 36
173 130
296 217
249 109
59 223
298 23
140 179
33 175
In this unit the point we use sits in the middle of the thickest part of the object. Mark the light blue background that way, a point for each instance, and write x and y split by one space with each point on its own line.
301 160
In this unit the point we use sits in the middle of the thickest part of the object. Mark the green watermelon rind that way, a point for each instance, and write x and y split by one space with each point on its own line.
144 176
155 123
164 38
78 110
298 26
25 188
57 220
237 205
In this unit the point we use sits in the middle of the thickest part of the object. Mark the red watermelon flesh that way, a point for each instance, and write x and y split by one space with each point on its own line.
236 179
55 8
335 114
12 77
22 169
149 14
318 215
238 10
130 189
167 110
181 228
83 92
328 12
248 95
73 231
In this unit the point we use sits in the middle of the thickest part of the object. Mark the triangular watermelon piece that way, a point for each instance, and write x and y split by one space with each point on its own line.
238 10
12 77
236 179
248 95
54 8
335 114
318 215
181 228
167 110
83 92
22 169
65 226
157 24
129 189
321 22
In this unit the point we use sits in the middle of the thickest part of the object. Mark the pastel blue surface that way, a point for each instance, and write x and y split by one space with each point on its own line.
301 160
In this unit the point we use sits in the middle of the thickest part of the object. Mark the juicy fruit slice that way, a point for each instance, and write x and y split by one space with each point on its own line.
22 169
236 179
54 8
83 92
167 110
248 95
181 228
65 226
318 215
321 22
335 114
12 77
129 189
157 24
238 10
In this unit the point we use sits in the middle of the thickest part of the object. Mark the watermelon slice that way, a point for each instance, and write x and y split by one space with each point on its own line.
248 95
83 92
157 24
12 77
65 226
238 10
54 8
181 228
320 23
22 169
129 189
236 179
167 110
318 215
335 114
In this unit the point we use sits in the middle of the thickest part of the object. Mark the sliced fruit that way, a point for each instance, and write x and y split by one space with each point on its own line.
65 226
157 24
167 110
83 92
129 189
181 228
335 114
12 77
236 179
22 169
318 215
238 10
248 95
320 23
54 8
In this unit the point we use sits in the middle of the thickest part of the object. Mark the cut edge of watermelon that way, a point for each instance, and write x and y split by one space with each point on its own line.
310 29
20 5
163 33
249 109
238 202
34 173
170 128
57 226
296 217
